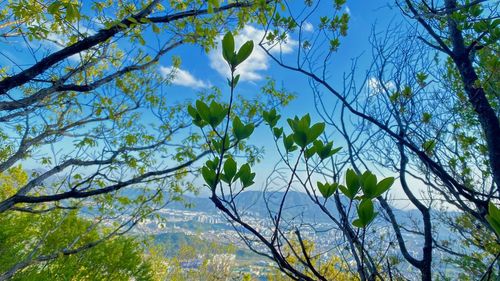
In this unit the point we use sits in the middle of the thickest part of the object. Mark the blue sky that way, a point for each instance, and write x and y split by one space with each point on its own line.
201 70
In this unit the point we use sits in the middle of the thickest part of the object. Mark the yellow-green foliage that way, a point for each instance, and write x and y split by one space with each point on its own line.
26 237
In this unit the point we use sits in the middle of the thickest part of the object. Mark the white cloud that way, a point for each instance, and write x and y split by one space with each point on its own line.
376 87
347 10
182 77
258 60
307 27
58 41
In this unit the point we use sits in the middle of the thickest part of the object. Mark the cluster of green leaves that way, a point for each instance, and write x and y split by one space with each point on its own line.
473 236
26 237
235 58
230 173
371 189
334 26
21 235
305 137
475 23
214 171
480 27
204 114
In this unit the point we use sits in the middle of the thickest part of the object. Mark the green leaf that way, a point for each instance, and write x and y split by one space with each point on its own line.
212 115
54 7
300 138
334 151
209 177
197 120
369 185
421 77
366 213
429 147
235 81
310 152
270 117
72 13
203 110
237 127
192 111
213 164
493 217
314 132
244 52
245 175
426 117
217 114
352 183
305 121
248 130
327 189
240 130
481 26
229 170
228 48
277 132
288 142
218 144
358 223
303 135
383 186
155 28
321 149
293 123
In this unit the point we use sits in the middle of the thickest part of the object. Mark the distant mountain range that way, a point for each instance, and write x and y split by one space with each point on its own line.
296 204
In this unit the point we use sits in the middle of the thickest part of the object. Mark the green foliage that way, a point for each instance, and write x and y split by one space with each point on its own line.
271 117
278 132
304 136
474 237
209 175
371 189
235 58
332 268
325 151
245 175
121 108
228 48
214 115
493 217
240 130
244 52
288 143
426 117
214 261
352 184
197 119
429 147
303 133
366 214
230 169
119 258
327 189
